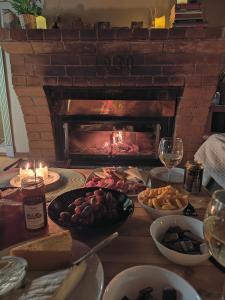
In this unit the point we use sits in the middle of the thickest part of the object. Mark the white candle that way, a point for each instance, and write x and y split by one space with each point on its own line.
26 172
45 170
42 171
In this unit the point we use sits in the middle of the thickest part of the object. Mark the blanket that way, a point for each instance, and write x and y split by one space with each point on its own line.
212 155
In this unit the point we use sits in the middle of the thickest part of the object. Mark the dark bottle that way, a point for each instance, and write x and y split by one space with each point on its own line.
34 204
193 174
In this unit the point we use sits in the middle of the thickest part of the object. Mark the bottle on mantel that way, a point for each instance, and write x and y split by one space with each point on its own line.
34 204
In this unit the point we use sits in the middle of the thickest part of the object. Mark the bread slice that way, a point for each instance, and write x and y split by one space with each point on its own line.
48 253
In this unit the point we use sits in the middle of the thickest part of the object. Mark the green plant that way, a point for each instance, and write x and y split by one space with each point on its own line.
27 7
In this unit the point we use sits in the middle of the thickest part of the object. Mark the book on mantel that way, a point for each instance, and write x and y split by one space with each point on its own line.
188 15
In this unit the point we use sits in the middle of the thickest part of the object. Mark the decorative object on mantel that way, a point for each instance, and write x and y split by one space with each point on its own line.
9 19
57 23
102 25
136 24
41 22
27 11
189 13
77 23
157 22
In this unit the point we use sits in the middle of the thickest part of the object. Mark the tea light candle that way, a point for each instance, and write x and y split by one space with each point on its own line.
42 171
160 22
26 172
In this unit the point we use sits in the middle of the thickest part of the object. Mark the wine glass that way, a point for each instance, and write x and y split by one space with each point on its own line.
214 224
170 153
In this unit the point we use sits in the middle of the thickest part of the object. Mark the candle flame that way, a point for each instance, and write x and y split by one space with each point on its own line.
27 166
118 137
40 165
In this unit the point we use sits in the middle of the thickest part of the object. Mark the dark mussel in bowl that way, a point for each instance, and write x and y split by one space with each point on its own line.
90 209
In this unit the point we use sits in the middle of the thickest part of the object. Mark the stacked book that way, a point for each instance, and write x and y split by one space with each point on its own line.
189 14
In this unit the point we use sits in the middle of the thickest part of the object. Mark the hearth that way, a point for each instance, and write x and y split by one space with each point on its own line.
111 126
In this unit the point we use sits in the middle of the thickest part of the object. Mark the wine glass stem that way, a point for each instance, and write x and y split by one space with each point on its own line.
168 175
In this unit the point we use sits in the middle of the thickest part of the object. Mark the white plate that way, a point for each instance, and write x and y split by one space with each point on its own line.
53 177
91 285
176 176
100 170
131 281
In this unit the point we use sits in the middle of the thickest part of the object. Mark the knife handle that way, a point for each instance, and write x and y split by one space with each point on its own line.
97 247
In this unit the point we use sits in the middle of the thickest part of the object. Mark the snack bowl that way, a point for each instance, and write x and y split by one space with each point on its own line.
160 212
121 205
130 281
159 227
157 213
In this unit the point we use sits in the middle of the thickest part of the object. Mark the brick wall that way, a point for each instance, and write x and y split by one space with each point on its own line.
119 57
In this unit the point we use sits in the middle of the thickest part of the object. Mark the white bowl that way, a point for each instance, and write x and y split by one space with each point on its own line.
157 213
130 281
160 226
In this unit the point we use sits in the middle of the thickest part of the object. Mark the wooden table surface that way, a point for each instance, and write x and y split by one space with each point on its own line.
134 246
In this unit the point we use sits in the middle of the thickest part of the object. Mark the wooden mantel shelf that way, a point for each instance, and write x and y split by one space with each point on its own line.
114 33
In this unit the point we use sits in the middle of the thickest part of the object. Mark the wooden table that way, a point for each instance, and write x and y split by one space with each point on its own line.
134 246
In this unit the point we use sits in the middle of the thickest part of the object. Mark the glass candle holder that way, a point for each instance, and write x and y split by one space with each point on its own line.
26 170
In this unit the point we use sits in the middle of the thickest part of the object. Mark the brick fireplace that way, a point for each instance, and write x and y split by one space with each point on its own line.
182 58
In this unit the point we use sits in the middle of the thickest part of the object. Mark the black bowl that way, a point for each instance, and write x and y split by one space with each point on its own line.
125 209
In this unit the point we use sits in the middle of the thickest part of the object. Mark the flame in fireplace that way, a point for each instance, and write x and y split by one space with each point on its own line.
117 137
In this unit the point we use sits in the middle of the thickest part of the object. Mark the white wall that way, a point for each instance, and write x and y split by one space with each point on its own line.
118 12
18 125
122 12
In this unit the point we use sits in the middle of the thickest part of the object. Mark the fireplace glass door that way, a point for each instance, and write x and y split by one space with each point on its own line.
111 139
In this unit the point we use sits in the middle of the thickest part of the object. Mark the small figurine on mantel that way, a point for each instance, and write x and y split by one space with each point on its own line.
57 23
77 23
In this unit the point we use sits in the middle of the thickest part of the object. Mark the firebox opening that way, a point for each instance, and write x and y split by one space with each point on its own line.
111 126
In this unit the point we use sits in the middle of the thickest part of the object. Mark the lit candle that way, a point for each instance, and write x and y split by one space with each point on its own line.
160 22
42 171
26 172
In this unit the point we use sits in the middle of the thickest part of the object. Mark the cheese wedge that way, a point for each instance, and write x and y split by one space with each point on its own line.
48 253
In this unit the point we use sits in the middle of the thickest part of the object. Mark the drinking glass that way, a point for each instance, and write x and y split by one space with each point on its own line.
214 226
214 233
170 153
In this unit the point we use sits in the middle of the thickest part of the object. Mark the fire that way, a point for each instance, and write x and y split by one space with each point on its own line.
117 137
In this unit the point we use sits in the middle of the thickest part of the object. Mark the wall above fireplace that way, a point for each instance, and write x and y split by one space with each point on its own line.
186 58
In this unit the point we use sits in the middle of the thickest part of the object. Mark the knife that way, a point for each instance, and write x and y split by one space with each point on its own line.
96 248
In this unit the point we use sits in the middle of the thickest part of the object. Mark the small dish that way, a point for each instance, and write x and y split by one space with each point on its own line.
130 281
125 208
160 226
157 213
161 173
130 175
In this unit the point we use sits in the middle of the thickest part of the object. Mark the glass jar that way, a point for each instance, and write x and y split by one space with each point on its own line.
34 204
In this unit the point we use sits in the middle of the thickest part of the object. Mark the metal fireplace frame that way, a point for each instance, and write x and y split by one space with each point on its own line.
60 122
165 128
